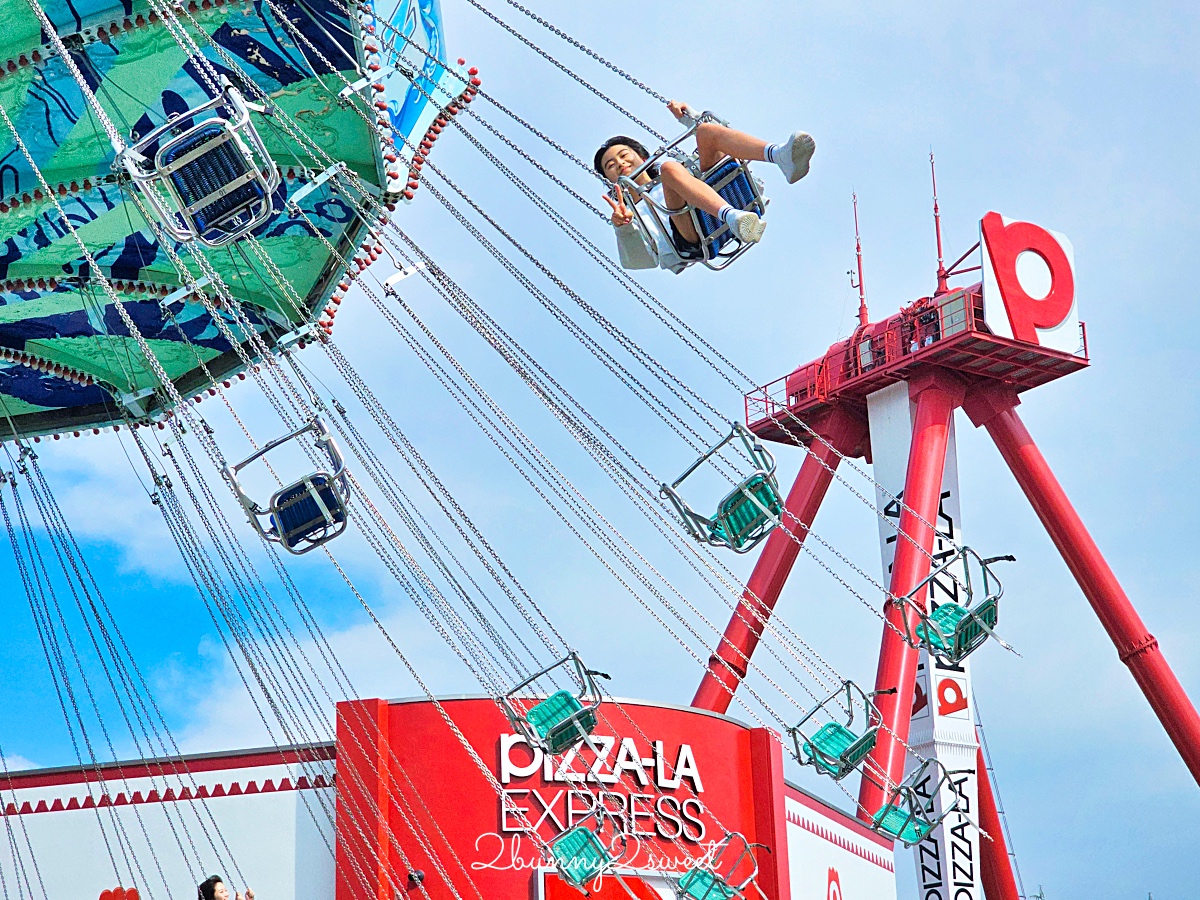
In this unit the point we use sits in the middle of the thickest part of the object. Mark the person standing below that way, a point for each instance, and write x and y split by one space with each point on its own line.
620 156
213 888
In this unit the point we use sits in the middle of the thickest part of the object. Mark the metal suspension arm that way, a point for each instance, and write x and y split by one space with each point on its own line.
727 666
937 394
995 410
995 865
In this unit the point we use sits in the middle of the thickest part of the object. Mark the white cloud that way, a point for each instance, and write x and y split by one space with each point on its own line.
15 762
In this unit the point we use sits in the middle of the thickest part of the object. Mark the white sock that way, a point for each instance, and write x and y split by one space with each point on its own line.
771 152
728 215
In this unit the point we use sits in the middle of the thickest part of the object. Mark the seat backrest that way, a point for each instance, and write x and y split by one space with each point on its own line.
731 181
558 707
580 855
701 884
218 186
970 632
740 519
297 516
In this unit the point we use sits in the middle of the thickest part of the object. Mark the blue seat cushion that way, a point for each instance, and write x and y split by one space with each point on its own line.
298 517
209 172
835 749
561 721
701 884
739 519
898 822
738 193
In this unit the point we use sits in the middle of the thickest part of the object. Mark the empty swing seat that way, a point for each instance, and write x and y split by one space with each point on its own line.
957 630
580 856
219 190
740 520
561 721
731 180
205 174
701 884
836 750
899 823
307 510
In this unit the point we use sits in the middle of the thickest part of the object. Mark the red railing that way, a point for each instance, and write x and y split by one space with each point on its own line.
874 348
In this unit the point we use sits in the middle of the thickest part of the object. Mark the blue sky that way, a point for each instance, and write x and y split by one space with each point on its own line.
1077 116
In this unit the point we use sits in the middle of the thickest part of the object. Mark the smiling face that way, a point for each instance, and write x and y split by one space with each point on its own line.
220 892
620 160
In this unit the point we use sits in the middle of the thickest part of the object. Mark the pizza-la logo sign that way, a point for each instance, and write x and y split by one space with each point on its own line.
834 886
1029 283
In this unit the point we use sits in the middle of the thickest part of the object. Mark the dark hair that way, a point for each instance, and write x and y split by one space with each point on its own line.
635 146
207 890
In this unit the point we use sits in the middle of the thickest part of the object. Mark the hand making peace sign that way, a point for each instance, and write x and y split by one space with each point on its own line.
620 212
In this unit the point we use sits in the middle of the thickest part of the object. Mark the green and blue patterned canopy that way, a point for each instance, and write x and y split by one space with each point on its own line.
67 361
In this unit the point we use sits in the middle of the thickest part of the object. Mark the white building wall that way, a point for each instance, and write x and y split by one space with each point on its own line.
833 857
274 833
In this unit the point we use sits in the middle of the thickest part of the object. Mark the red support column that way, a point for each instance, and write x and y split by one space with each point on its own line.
936 394
995 866
995 410
770 814
361 812
727 667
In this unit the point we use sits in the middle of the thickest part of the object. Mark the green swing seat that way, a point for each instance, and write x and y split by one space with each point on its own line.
701 884
899 823
561 721
836 750
580 856
740 520
956 630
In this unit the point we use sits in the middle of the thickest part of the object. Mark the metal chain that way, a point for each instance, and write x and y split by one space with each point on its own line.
554 62
592 53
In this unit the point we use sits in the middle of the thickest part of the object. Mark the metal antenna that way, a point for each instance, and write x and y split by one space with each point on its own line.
862 291
942 277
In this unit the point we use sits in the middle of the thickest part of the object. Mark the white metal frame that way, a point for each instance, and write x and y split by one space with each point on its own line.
336 480
152 177
700 526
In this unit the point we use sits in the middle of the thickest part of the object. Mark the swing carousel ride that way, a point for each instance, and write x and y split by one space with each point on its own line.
189 194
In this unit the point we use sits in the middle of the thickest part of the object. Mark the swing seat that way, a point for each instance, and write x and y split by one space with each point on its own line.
954 631
836 750
730 179
307 510
580 856
741 521
561 721
701 884
900 824
306 513
220 191
212 181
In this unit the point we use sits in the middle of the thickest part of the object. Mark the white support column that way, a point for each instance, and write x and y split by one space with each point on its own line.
943 716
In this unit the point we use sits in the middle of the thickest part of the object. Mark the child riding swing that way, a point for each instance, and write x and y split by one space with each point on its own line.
671 209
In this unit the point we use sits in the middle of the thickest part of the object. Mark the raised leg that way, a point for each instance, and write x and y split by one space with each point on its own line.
682 188
936 396
995 410
716 141
727 666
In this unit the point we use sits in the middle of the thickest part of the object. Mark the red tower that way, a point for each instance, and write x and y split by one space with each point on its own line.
977 348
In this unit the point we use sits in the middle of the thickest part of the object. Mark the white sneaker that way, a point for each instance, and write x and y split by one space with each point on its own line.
748 227
796 155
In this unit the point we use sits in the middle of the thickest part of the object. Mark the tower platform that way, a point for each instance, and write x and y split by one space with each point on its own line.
947 331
